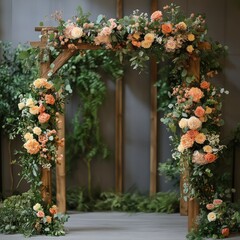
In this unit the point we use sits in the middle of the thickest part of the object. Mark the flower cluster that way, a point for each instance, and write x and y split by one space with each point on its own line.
164 32
40 113
49 221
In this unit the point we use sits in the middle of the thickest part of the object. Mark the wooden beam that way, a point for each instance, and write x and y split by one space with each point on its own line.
119 122
153 119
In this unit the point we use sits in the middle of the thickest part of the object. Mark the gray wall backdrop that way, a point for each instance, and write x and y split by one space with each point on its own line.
17 21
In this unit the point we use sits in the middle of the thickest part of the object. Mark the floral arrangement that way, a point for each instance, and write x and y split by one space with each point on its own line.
217 220
194 102
49 222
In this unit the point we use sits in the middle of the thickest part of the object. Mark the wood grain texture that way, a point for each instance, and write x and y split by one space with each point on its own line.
119 122
153 120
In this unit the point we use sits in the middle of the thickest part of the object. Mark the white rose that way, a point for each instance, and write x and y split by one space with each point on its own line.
183 123
37 207
76 32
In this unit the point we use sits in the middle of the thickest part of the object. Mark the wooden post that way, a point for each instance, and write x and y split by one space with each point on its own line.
119 122
153 120
46 189
60 169
193 207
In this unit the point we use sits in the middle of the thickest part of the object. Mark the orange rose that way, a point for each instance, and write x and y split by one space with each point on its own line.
196 94
199 111
43 117
49 99
208 110
225 232
53 210
166 28
157 15
136 43
191 37
192 134
210 157
205 85
32 146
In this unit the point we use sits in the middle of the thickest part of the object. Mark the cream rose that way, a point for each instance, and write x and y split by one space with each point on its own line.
21 105
207 149
194 123
183 123
28 136
30 102
211 217
146 44
37 207
37 130
76 32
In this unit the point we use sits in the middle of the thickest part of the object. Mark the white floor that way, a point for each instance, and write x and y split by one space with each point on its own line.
120 226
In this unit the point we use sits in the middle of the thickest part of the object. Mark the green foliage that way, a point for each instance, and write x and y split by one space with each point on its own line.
168 202
18 68
16 214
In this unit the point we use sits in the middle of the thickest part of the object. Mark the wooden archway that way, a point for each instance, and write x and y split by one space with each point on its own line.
190 208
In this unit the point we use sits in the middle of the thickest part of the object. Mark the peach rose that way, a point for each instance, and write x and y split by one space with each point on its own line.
208 110
195 93
149 37
43 117
207 149
41 108
49 99
181 26
39 82
210 157
205 85
180 148
136 35
194 123
186 141
217 202
170 45
48 219
200 138
199 111
157 15
211 217
106 31
32 146
68 29
183 123
166 28
48 85
146 44
210 206
34 110
225 232
40 214
190 37
198 158
190 48
37 130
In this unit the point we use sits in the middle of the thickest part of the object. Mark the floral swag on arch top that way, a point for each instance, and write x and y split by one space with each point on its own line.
193 103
